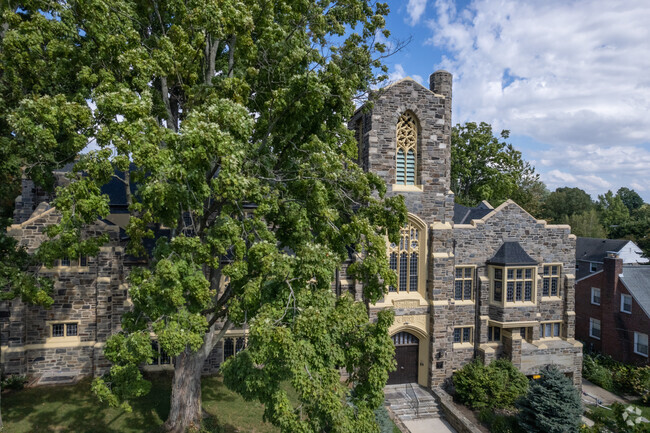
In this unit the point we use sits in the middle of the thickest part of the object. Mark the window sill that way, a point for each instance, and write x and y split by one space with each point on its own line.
458 302
595 338
593 303
463 346
406 188
61 341
626 312
645 355
551 298
514 304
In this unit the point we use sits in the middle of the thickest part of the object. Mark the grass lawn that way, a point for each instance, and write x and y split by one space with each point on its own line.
75 409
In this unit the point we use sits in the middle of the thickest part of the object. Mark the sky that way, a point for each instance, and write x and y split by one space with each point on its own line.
569 79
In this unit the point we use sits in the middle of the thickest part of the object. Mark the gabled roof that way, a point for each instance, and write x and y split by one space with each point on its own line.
595 249
465 215
636 279
511 254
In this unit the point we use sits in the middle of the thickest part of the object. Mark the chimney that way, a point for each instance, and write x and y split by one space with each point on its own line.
612 267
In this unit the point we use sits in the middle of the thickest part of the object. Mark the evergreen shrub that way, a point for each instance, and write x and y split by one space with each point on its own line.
552 404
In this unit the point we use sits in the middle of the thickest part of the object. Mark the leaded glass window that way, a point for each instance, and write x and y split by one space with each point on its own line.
406 160
404 259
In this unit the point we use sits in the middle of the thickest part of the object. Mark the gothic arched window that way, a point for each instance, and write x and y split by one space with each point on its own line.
404 259
406 160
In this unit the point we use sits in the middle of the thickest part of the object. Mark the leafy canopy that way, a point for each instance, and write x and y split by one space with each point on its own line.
230 118
484 167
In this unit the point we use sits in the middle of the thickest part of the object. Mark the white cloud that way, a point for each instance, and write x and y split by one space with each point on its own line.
399 73
415 9
573 75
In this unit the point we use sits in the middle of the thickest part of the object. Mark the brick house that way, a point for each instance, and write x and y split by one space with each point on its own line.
590 253
472 282
613 310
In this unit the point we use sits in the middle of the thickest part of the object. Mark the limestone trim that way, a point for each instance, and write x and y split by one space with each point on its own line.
43 346
551 273
65 338
549 328
411 80
33 219
396 187
416 325
508 325
516 282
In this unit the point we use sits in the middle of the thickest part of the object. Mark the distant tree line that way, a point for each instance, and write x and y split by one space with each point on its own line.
485 167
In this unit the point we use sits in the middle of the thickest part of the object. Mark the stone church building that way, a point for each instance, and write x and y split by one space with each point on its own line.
472 282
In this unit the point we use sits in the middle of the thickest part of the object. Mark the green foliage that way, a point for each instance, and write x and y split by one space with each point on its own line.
613 211
552 404
566 202
586 224
231 118
386 425
599 374
15 382
616 376
484 168
630 198
499 422
497 385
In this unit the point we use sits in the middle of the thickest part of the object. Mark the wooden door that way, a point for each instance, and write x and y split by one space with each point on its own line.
406 354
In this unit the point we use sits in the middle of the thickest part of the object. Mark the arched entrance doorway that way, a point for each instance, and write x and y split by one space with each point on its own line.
407 346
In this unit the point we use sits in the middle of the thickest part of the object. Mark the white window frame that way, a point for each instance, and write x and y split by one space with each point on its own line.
592 322
623 298
636 344
593 267
593 297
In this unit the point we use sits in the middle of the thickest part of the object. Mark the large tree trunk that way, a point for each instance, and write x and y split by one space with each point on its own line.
185 411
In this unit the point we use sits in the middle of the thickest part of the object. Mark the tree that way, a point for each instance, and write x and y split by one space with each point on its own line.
230 118
587 224
497 385
613 212
565 202
484 168
630 198
552 404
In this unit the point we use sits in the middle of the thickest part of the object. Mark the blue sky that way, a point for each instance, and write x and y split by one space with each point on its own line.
569 79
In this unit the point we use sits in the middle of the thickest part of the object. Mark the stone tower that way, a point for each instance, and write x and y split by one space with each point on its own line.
428 114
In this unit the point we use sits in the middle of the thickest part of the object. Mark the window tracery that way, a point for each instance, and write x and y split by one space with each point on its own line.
407 138
404 259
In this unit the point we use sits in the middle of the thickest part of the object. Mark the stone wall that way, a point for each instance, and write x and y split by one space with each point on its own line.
453 416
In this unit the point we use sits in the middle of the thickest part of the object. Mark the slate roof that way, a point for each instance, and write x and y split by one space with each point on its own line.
595 249
465 215
637 280
511 254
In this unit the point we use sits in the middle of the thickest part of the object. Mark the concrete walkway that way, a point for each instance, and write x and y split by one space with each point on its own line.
429 425
592 390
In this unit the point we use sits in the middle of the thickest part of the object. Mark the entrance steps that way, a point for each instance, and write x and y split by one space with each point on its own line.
411 401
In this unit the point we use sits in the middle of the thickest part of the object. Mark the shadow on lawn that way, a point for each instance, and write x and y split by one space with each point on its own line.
74 408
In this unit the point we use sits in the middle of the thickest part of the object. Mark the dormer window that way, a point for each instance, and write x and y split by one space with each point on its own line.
406 158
